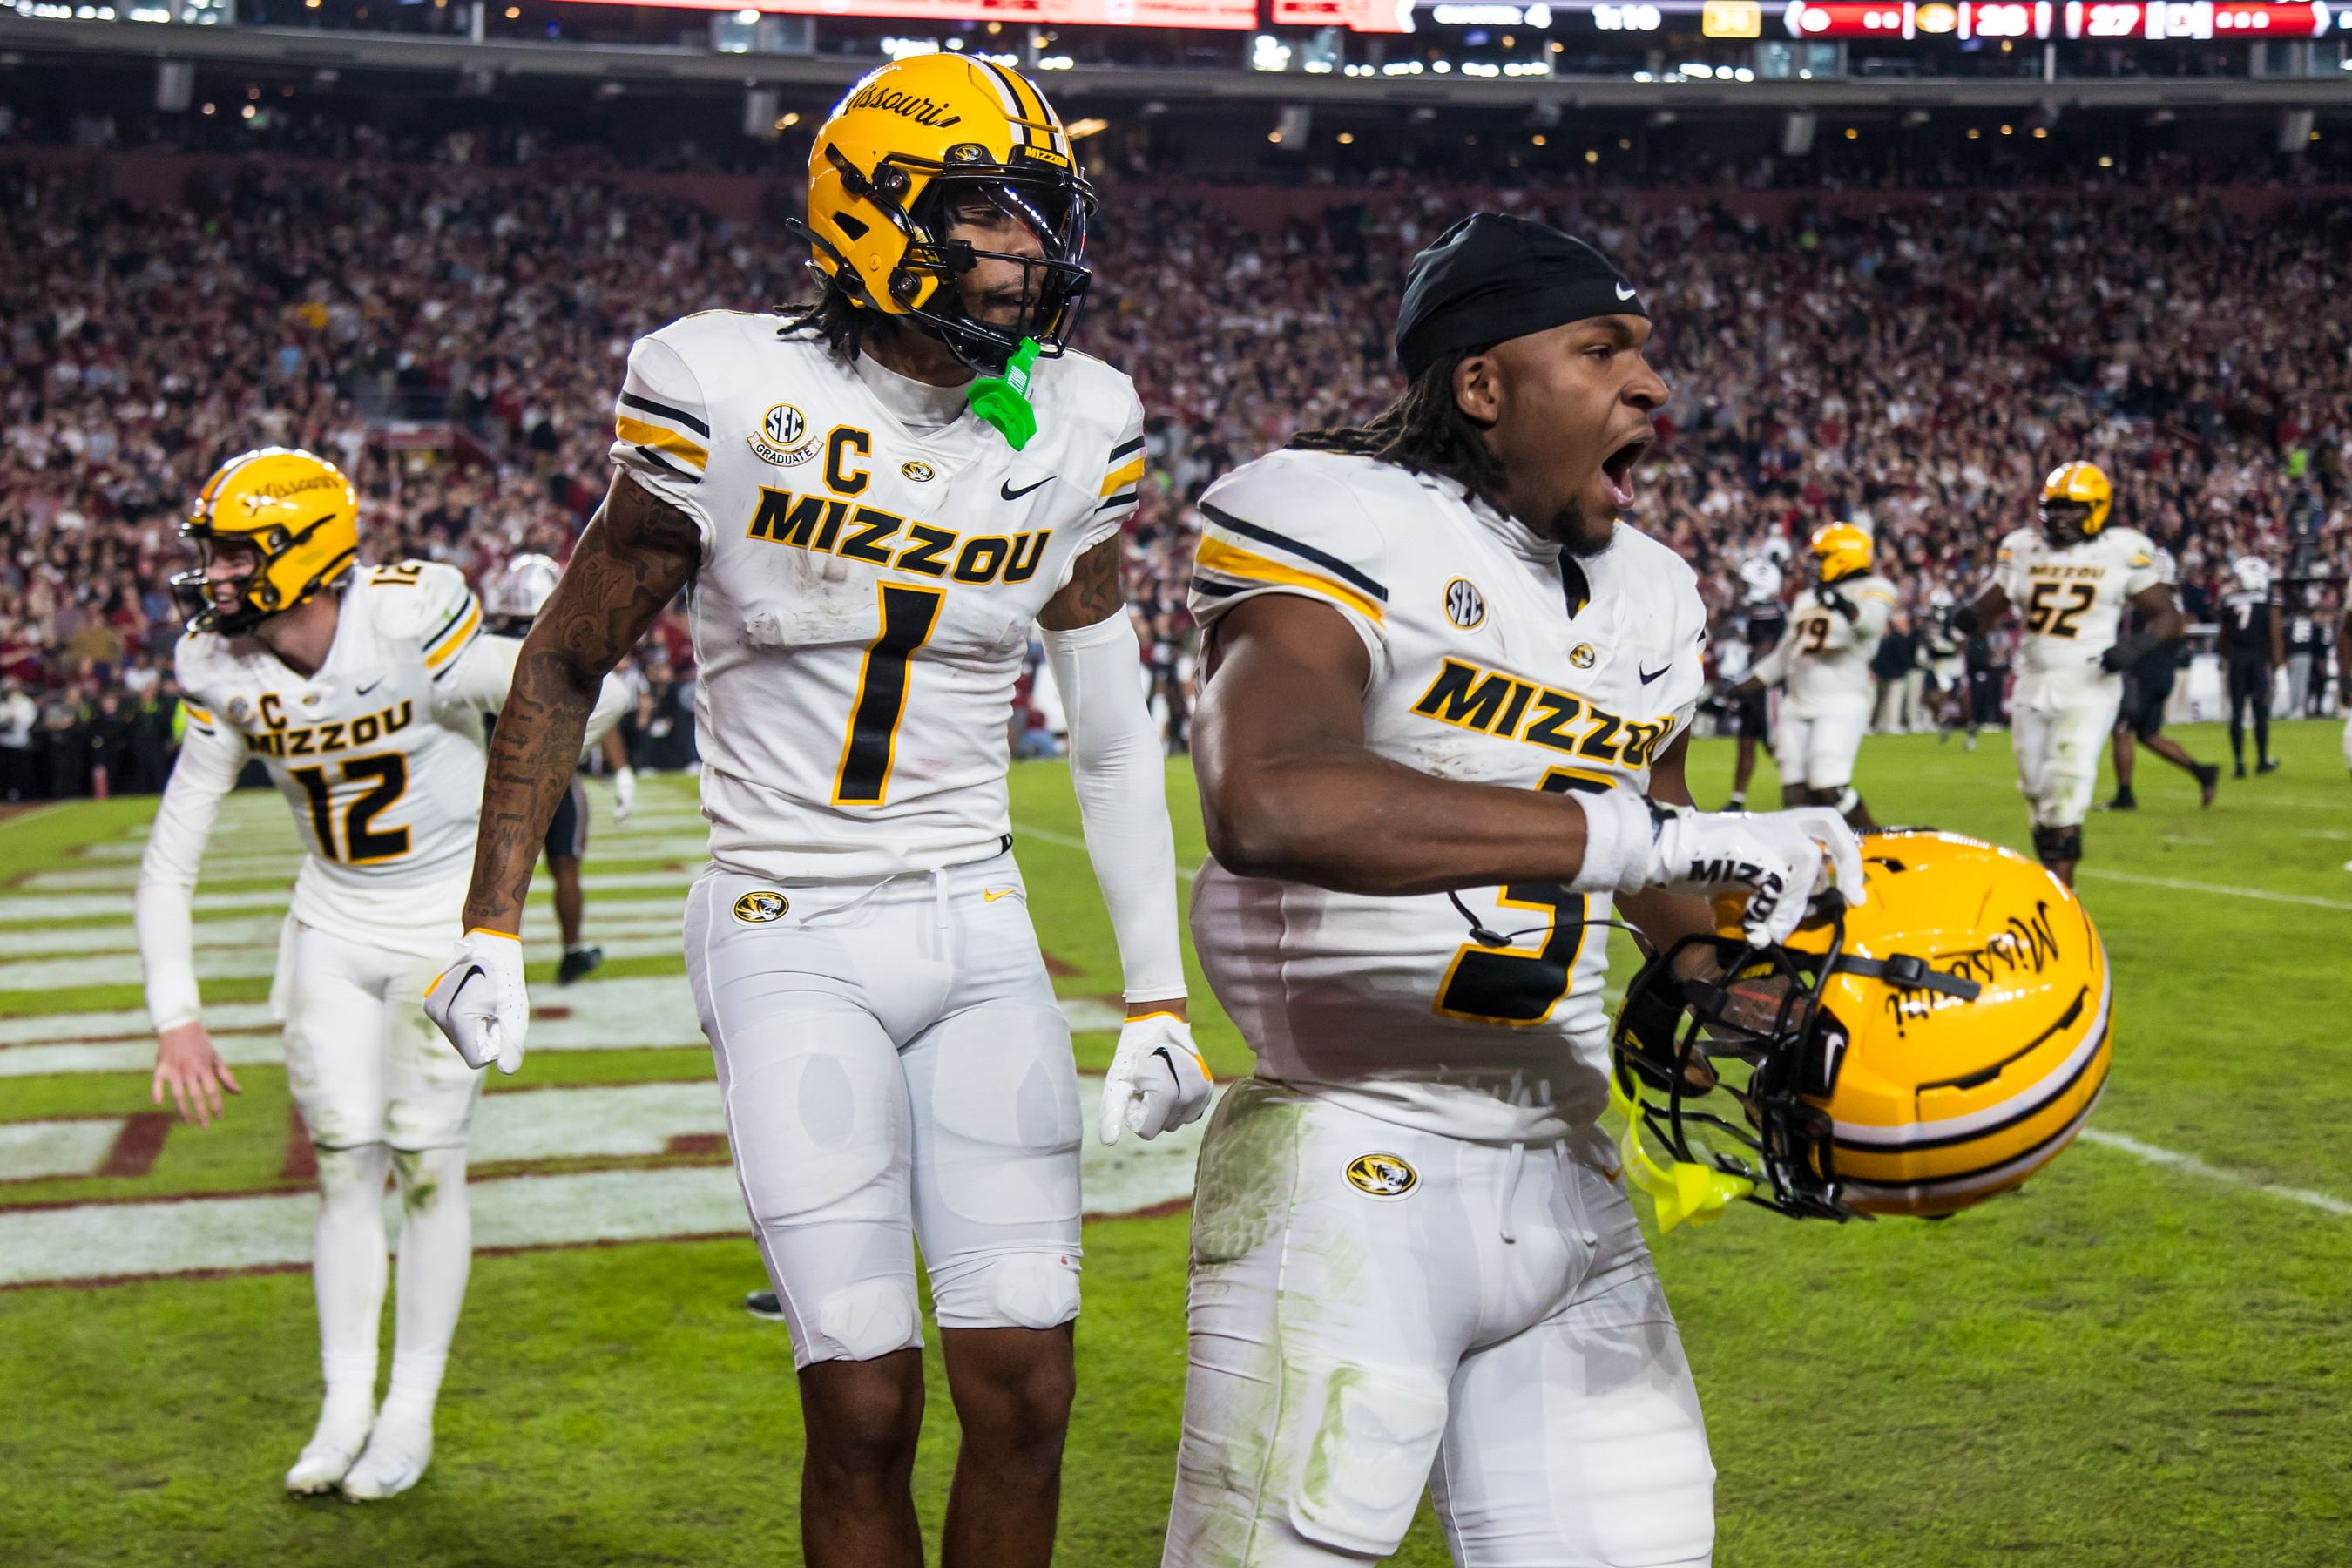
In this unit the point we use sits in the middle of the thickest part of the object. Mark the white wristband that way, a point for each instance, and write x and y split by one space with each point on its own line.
1621 843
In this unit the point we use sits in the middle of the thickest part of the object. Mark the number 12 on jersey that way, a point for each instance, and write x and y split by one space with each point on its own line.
1511 984
908 616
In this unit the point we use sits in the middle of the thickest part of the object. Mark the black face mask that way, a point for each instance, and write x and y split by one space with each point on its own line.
1053 207
2064 523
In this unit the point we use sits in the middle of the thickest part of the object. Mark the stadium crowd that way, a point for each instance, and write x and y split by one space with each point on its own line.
455 343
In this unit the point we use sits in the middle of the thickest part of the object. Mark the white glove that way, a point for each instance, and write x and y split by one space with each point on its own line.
479 1001
1157 1080
625 793
1778 858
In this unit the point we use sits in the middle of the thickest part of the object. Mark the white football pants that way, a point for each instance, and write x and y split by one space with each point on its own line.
365 1063
2058 733
1374 1309
895 1071
1818 751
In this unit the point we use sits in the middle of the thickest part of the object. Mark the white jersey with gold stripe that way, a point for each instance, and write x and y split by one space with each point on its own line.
1495 660
874 558
1822 663
2071 599
379 752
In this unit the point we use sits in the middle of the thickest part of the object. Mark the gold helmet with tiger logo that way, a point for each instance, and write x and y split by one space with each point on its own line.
905 144
300 514
1914 1055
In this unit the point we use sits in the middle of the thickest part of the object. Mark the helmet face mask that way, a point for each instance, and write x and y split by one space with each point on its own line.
2064 523
1054 280
292 513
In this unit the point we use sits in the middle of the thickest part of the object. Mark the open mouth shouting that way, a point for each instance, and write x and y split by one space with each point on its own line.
1617 467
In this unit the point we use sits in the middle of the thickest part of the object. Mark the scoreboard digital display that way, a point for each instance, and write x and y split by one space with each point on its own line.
1227 16
2208 20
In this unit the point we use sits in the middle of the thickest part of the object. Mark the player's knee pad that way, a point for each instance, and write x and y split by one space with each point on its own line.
1360 1443
863 1320
1014 1290
2052 845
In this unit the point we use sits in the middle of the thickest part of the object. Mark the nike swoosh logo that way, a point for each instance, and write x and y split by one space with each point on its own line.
1623 292
1170 1063
1650 675
990 895
1009 493
472 972
371 686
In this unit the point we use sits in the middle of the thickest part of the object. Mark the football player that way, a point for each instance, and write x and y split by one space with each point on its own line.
874 499
1824 662
2253 647
2148 686
513 603
1764 621
1445 707
361 690
2071 579
1946 654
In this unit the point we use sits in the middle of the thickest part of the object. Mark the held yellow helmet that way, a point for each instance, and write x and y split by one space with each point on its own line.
2075 501
300 514
1912 1055
909 142
1840 550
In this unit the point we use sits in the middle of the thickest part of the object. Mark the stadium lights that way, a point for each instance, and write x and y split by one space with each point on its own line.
1538 138
790 120
1055 62
1592 154
747 17
2041 133
1079 130
2104 162
1695 69
2009 131
1347 139
1269 53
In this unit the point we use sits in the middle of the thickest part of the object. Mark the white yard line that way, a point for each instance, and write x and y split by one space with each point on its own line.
2193 1165
621 916
273 1230
2218 890
1046 836
33 815
631 939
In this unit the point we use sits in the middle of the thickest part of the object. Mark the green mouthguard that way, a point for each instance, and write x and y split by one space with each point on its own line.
1002 401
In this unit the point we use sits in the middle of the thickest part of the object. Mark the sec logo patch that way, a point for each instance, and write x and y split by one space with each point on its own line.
783 436
1464 605
1381 1176
760 907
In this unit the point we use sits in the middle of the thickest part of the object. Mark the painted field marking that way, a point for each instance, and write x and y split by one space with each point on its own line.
624 917
2218 890
33 814
2193 1165
78 1147
1046 836
41 908
40 1246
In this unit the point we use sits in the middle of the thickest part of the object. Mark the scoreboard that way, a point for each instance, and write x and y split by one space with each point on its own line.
1227 16
2223 20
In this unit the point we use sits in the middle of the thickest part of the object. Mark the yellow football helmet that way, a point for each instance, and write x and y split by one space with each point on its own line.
2075 501
296 510
1912 1055
906 140
1840 551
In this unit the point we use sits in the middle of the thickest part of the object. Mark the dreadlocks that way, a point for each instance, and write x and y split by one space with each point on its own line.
831 317
1423 431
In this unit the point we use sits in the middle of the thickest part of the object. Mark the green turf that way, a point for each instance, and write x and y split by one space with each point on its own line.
2122 1365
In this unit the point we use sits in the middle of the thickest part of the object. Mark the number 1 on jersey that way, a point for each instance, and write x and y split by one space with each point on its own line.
908 616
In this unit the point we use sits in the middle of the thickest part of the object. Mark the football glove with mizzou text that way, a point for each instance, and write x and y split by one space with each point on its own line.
1778 858
480 1003
1157 1080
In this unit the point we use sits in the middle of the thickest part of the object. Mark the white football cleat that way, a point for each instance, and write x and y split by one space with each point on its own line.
397 1452
328 1457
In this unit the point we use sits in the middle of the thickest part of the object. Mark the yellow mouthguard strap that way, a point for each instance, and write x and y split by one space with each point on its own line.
1678 1189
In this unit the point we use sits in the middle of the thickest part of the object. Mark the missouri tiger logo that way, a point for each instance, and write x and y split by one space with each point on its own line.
1382 1175
760 907
921 473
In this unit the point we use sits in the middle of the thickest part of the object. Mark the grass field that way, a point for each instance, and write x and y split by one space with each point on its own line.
2139 1359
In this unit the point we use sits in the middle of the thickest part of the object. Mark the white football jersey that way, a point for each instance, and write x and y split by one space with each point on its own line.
2072 601
1822 662
379 753
1495 659
874 558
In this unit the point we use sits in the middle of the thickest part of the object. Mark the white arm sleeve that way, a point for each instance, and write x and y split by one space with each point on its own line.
210 760
1873 607
485 672
1117 768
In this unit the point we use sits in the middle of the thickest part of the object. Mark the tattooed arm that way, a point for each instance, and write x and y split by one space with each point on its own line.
1092 595
638 551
